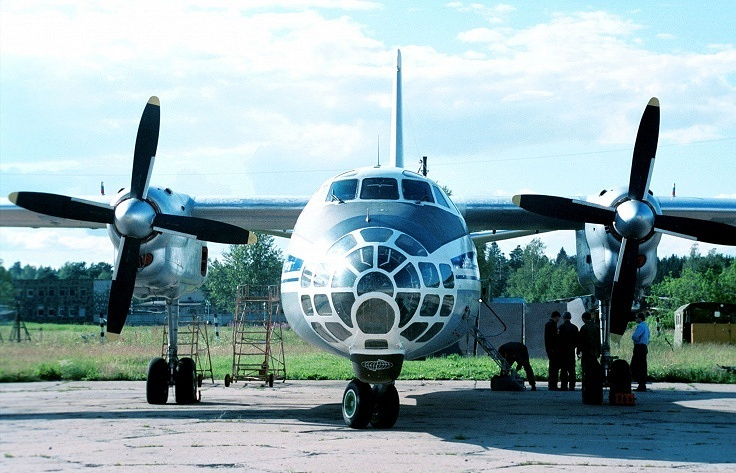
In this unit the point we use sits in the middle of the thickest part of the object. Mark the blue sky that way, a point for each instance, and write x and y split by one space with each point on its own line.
273 98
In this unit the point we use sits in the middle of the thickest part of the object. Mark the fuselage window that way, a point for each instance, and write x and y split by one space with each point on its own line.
429 274
408 303
384 188
410 245
448 278
376 234
342 246
439 197
341 191
416 191
389 258
322 304
430 305
362 258
408 277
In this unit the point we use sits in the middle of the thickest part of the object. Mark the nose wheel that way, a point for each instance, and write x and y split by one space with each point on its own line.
363 404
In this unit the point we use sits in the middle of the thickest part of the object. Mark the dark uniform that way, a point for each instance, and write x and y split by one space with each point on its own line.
551 344
516 352
589 348
568 341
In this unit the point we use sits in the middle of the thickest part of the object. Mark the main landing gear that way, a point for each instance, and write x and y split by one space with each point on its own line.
362 404
179 373
182 375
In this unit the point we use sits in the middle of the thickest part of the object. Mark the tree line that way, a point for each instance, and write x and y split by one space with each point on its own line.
525 273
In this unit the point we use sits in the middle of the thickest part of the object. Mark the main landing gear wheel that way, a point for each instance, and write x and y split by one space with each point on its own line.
386 406
357 404
157 381
592 389
185 382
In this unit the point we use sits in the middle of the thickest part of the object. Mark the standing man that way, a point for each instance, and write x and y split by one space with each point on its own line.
551 344
516 352
589 349
568 338
639 358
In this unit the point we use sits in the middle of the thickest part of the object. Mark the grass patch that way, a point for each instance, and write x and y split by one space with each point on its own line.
74 352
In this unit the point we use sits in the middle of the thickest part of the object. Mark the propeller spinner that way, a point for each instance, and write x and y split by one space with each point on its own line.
134 218
633 220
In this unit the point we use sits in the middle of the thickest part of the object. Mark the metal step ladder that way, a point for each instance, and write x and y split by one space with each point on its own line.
506 371
258 345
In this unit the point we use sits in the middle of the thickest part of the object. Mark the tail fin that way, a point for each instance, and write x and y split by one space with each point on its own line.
397 126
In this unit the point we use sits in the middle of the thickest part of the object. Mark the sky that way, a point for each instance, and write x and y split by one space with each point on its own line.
275 97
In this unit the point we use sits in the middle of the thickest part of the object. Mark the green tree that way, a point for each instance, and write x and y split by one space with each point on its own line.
538 279
25 272
7 290
74 271
256 264
45 272
693 286
516 258
499 269
101 271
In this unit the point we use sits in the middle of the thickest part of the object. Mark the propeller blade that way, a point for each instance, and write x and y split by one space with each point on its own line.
203 229
565 208
123 283
64 207
702 230
644 151
146 143
624 285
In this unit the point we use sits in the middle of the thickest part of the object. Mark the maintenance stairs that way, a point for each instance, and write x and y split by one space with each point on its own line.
508 379
192 339
258 344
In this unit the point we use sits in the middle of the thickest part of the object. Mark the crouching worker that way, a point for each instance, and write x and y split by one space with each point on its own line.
516 352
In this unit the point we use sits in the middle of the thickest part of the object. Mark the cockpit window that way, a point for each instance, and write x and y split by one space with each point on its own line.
440 198
416 191
341 191
384 188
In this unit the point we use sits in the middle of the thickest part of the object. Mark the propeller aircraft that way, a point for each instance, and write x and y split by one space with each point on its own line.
381 266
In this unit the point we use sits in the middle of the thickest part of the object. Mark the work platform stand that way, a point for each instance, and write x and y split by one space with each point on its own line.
508 379
192 341
258 344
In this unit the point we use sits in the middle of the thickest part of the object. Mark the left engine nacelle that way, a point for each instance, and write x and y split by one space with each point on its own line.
170 265
598 249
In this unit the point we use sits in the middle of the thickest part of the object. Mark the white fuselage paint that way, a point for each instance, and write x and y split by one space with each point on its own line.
376 271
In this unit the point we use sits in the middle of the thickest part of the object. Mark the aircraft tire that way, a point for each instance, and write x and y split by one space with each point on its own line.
157 381
357 404
592 389
185 382
386 410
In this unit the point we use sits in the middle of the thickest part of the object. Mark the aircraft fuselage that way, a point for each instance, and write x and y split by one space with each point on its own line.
380 269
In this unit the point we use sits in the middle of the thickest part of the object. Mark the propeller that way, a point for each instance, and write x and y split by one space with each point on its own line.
134 218
633 220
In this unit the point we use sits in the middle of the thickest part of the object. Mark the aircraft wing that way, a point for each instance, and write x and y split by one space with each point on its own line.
713 209
488 218
275 215
499 213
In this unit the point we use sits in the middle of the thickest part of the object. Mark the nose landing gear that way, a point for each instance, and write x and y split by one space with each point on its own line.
363 404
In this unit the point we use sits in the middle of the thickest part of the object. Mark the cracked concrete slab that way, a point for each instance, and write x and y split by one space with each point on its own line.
444 426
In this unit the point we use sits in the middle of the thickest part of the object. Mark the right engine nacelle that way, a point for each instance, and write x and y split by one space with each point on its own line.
598 249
